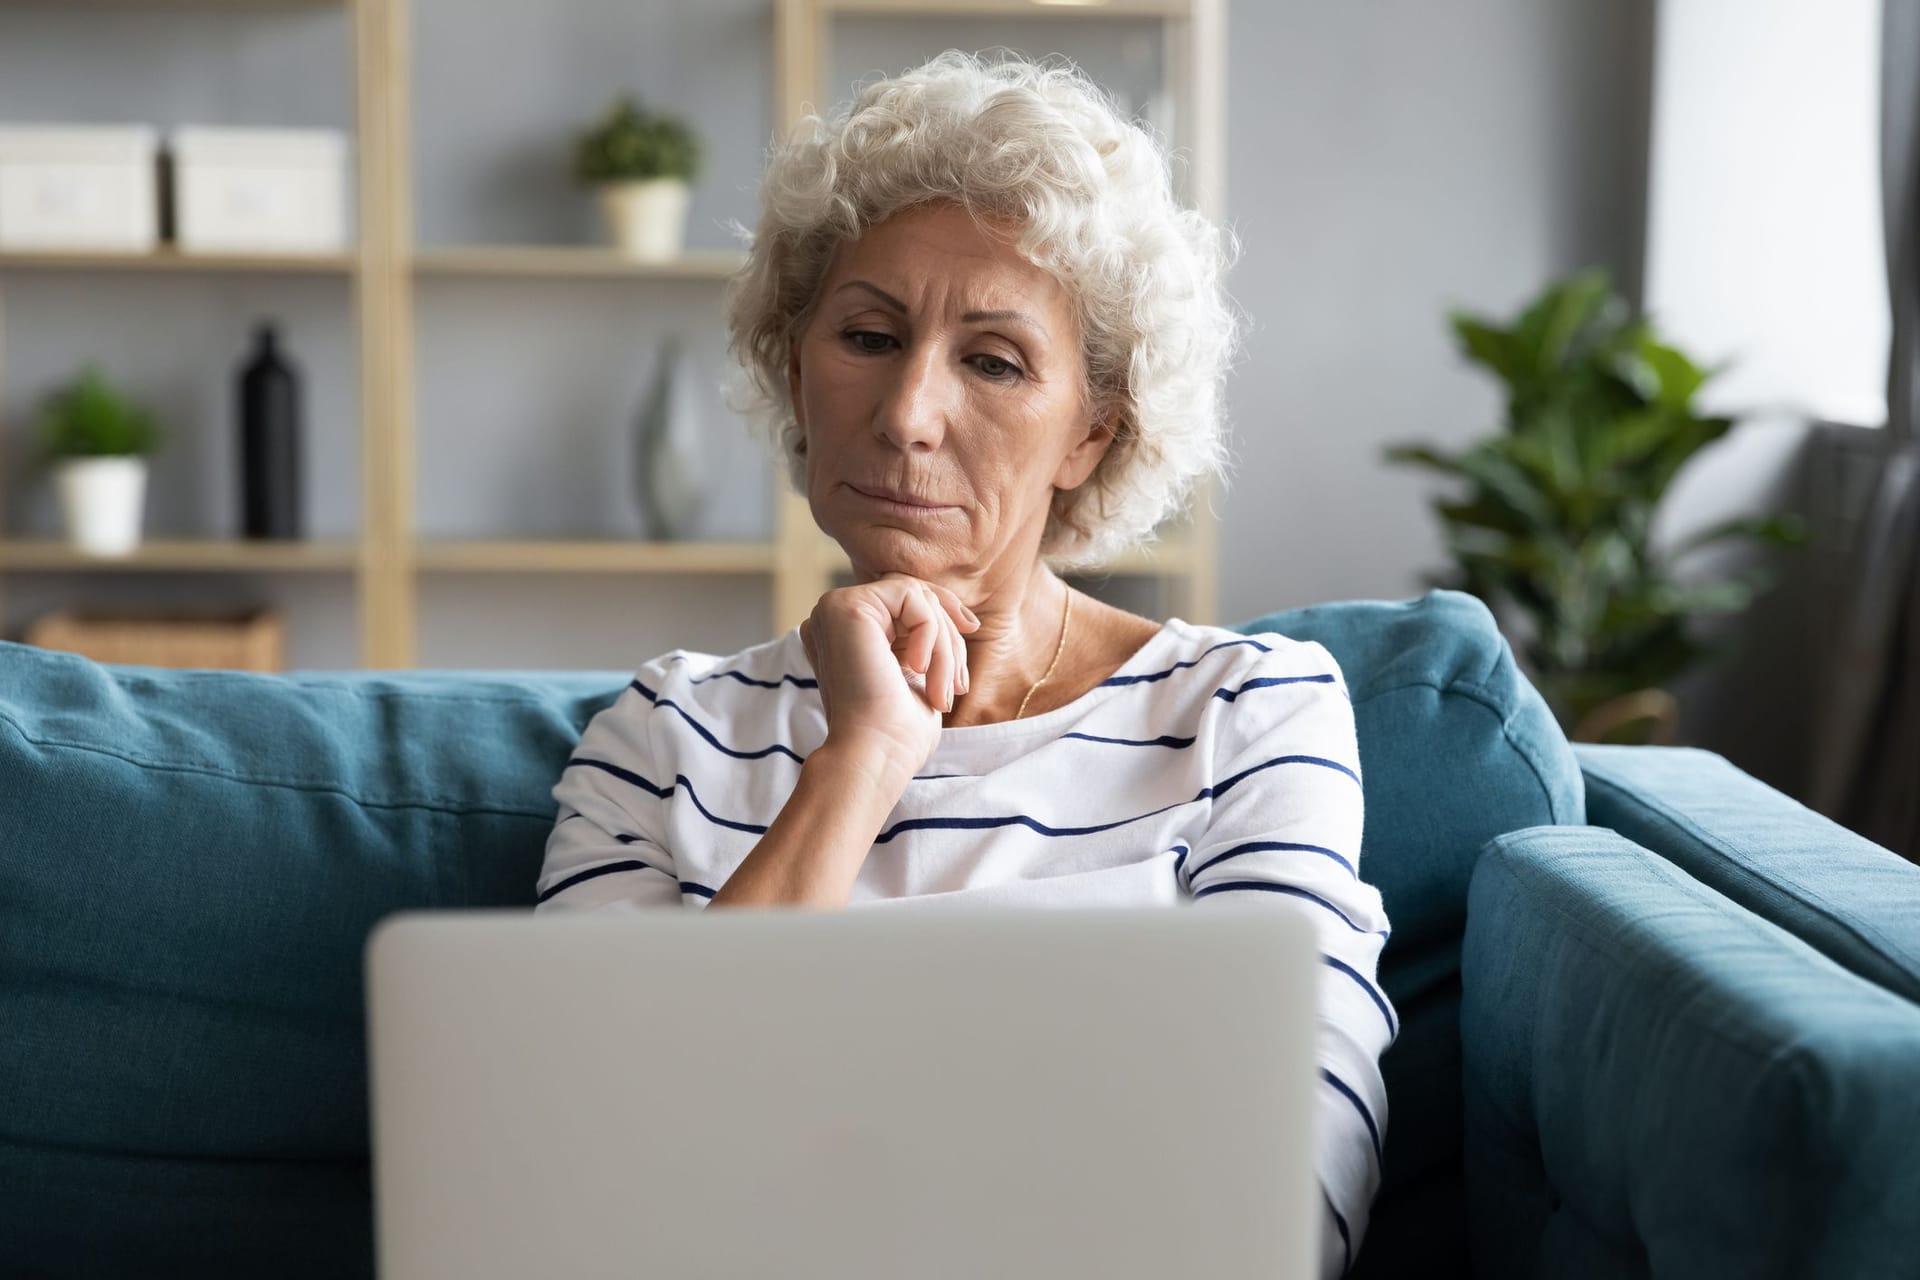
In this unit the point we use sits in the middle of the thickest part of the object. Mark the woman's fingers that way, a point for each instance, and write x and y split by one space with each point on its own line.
934 630
940 667
957 636
920 622
964 619
966 670
928 622
955 628
958 646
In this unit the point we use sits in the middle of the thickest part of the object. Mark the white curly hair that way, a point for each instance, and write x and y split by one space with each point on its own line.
1043 147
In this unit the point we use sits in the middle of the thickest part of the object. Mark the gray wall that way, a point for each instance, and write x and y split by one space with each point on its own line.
1389 161
1386 160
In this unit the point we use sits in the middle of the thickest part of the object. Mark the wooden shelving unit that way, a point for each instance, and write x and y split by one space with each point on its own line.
387 558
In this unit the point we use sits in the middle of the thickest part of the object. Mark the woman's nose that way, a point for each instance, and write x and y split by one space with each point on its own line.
914 413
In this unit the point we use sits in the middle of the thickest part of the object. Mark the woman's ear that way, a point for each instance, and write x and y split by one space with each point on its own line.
793 398
1086 453
793 384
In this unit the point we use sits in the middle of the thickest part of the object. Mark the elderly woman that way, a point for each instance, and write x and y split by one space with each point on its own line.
988 338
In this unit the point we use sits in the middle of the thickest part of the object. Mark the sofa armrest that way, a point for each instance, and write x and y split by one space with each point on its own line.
1659 1082
1851 898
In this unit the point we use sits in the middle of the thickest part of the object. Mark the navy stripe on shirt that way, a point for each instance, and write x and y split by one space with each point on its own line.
1221 788
1269 682
1386 1011
1346 1238
1182 666
1164 740
604 869
776 749
1268 886
680 780
798 682
1262 846
1373 1130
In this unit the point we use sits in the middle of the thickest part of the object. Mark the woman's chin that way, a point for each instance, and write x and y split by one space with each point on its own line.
875 551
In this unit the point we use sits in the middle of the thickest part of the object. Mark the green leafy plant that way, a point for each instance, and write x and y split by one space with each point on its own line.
631 144
1557 507
90 418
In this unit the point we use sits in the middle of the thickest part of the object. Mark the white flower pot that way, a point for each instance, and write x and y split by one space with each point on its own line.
101 500
647 220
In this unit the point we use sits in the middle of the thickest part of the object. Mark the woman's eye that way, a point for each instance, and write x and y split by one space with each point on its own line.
873 342
859 339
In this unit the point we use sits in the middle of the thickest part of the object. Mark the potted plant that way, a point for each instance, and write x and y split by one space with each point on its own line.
642 163
96 441
1559 504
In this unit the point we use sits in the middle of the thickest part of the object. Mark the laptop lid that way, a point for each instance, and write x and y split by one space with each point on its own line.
1111 1092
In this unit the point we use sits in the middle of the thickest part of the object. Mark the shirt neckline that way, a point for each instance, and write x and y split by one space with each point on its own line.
1151 653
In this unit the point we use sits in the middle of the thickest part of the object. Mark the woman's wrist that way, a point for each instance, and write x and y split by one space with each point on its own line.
814 849
869 759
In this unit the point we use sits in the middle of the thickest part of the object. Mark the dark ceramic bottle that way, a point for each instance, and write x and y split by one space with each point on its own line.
270 433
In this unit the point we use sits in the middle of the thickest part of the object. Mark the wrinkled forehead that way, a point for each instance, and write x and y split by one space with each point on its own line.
942 256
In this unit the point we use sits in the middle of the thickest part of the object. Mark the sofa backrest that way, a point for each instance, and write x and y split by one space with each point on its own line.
1456 747
190 862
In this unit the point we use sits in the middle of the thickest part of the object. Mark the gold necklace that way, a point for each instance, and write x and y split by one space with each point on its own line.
1066 617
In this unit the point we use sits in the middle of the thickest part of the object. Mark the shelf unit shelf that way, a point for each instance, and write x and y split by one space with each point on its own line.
1168 9
189 554
464 260
593 556
179 4
168 258
387 558
571 261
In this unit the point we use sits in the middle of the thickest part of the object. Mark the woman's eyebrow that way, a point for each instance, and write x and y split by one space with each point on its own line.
877 292
970 317
1019 316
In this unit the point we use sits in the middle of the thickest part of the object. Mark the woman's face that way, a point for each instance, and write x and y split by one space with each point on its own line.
938 386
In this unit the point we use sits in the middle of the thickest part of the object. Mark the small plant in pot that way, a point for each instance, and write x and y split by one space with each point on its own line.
96 441
1556 514
643 164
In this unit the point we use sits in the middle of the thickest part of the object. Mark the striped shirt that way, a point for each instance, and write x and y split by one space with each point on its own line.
1211 765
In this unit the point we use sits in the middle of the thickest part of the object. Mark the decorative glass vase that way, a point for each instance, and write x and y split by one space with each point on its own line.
672 464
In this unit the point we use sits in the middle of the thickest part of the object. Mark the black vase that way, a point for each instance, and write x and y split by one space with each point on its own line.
270 432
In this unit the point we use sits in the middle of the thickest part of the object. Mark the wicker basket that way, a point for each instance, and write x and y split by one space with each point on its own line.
251 641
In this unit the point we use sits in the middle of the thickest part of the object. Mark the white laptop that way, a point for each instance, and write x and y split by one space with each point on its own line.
1108 1093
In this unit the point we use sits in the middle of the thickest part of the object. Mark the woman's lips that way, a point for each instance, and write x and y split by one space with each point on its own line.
898 501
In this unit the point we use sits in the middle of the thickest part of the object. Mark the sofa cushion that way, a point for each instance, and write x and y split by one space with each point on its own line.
1853 899
189 866
1455 746
1660 1082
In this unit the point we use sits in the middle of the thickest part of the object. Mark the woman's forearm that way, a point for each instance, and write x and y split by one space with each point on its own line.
814 849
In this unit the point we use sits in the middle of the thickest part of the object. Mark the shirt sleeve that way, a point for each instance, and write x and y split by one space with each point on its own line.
605 851
1286 823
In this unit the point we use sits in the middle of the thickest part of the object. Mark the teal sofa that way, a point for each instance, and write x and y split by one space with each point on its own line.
1656 1019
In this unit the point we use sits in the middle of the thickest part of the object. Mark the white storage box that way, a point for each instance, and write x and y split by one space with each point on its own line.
260 190
81 187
